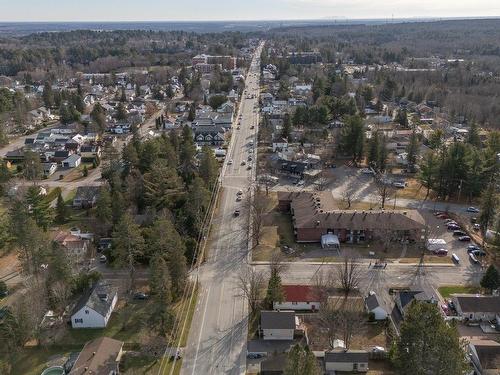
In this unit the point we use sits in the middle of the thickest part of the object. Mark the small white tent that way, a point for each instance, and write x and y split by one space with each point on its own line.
330 241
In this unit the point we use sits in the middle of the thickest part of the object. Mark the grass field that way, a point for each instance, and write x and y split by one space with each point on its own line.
448 290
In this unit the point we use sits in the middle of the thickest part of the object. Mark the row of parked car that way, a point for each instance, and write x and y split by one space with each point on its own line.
473 250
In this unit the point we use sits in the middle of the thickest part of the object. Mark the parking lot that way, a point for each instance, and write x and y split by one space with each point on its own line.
439 229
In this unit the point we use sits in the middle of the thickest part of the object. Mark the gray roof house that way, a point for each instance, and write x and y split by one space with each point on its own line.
346 360
94 309
86 196
278 325
374 306
477 307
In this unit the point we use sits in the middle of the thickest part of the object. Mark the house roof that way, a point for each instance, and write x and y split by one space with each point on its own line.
372 302
488 353
275 363
277 319
298 293
99 298
61 154
473 303
312 210
347 356
99 356
72 158
87 192
406 297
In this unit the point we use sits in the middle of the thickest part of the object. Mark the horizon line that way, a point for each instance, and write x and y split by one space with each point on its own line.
333 19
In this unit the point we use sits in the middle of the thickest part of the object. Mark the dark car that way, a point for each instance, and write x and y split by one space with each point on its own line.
464 238
236 213
255 355
459 233
453 227
141 296
472 248
479 253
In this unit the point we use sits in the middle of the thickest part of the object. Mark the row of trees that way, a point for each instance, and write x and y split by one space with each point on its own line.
165 183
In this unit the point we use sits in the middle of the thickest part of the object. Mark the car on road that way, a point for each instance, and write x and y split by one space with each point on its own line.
453 227
249 158
238 127
103 259
301 183
473 258
249 167
449 221
443 216
238 198
252 127
236 213
240 192
476 227
473 209
250 150
367 171
251 143
229 162
464 238
243 162
459 233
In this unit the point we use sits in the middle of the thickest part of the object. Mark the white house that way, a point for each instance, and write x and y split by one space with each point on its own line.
373 305
298 297
346 360
278 325
95 307
72 161
475 307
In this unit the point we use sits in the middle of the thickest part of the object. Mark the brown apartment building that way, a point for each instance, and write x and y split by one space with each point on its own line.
316 214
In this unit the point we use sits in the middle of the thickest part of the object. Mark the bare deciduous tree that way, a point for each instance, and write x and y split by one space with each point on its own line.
341 317
385 191
323 284
348 275
257 205
251 283
348 197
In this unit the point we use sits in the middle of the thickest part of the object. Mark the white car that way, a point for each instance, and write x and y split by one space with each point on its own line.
229 162
473 209
301 183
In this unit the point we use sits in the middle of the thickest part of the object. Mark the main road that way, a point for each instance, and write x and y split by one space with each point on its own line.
218 334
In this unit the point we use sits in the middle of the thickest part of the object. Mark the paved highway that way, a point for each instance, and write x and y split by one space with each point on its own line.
218 334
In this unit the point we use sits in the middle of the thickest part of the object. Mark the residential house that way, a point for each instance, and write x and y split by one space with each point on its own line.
316 214
374 306
49 169
274 365
211 135
404 299
278 325
60 155
280 144
302 90
485 356
298 297
75 245
90 152
72 161
304 57
346 361
15 156
226 107
94 308
100 356
86 196
477 307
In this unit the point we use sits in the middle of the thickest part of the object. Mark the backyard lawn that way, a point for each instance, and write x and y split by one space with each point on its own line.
448 290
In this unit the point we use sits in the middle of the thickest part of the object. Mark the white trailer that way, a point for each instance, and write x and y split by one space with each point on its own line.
434 244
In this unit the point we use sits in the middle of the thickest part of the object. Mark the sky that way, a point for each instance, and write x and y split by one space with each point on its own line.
187 10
